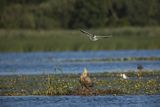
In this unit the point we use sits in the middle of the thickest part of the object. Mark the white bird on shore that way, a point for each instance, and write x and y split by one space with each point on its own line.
94 37
124 76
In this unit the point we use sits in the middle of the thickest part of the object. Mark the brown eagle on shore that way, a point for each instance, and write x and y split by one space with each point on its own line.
85 80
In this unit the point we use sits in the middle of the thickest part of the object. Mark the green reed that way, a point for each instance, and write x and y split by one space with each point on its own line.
60 40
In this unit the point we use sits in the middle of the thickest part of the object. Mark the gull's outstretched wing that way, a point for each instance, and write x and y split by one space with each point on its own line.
88 34
104 36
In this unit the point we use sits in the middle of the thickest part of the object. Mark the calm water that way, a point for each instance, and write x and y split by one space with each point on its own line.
80 101
74 62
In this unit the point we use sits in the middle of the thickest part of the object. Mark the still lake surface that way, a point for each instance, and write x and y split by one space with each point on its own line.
80 101
74 62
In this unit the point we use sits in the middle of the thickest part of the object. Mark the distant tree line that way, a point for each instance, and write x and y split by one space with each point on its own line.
71 14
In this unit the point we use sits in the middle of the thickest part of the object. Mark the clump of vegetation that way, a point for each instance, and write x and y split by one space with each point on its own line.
117 59
68 84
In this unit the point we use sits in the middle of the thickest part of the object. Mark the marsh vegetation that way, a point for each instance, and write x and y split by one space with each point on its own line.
68 84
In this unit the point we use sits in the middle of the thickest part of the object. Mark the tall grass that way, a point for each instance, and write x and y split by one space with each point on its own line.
60 40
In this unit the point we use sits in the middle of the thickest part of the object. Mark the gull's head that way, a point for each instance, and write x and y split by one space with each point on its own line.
93 38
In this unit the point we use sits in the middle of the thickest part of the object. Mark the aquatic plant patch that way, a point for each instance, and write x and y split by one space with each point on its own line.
68 84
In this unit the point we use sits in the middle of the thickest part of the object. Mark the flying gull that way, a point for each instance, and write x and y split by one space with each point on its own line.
94 37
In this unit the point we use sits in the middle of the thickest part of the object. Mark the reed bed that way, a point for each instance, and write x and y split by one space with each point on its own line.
61 40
